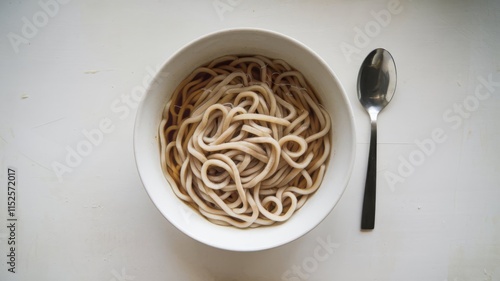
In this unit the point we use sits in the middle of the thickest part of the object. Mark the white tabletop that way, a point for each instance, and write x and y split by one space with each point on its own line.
68 69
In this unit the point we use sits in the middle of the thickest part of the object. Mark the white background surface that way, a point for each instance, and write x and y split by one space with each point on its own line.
438 215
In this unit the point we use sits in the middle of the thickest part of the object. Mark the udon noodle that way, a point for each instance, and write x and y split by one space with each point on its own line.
245 141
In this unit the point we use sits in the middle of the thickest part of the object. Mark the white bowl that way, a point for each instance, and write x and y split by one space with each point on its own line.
258 42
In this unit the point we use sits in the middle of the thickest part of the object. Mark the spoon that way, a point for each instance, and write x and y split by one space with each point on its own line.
376 86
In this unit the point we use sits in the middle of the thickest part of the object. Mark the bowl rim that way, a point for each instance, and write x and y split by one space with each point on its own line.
341 91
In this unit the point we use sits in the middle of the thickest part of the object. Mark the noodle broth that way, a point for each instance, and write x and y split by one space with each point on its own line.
245 141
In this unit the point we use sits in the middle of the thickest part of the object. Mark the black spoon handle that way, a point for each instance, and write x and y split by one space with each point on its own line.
368 213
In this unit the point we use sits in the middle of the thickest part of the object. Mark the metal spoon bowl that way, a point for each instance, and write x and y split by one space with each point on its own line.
376 87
